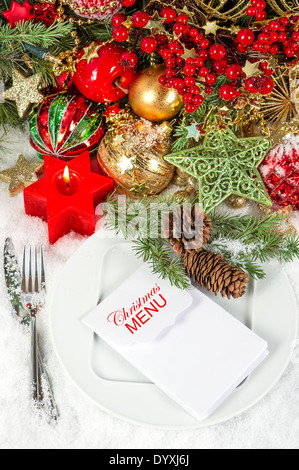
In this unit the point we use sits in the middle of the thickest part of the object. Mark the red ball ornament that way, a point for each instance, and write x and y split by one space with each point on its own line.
97 9
245 37
280 173
18 12
101 75
130 59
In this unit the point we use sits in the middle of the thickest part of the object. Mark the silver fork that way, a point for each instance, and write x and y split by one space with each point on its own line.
33 285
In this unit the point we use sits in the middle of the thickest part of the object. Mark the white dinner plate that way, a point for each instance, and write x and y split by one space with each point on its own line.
100 264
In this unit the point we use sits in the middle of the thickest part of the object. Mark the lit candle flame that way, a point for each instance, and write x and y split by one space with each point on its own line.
66 176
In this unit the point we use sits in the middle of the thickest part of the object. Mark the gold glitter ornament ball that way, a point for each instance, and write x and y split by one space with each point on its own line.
235 202
151 100
132 155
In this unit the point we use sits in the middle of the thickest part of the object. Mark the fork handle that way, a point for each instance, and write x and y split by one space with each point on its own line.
48 396
34 360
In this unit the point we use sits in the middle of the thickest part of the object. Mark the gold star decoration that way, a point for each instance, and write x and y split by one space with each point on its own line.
24 91
91 52
139 188
155 24
23 174
126 164
119 139
252 70
189 53
211 27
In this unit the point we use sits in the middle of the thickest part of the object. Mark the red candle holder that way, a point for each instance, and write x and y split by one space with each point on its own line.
66 196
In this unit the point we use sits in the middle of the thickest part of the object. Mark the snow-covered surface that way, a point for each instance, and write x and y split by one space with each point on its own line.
271 424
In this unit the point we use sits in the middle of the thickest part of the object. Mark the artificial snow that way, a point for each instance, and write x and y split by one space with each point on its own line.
273 423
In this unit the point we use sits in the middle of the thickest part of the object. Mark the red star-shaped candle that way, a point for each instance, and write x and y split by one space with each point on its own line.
18 12
66 196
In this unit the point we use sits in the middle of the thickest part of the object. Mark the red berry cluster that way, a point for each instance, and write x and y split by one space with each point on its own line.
257 10
279 36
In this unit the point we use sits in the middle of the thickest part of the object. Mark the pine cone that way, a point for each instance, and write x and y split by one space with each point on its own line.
211 271
181 227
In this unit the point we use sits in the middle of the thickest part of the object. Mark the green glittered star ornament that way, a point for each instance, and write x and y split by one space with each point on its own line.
225 165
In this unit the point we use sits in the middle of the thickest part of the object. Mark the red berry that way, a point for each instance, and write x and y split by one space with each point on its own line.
187 98
203 71
203 53
217 52
274 25
179 28
234 72
228 92
266 85
168 13
198 99
199 61
193 32
251 11
182 19
170 63
261 16
289 52
161 39
257 46
209 90
295 36
118 19
128 3
120 33
178 83
195 90
273 36
189 81
260 5
163 79
284 21
190 60
170 72
282 37
274 49
130 57
251 84
219 66
204 44
190 108
148 44
263 37
189 69
211 79
245 37
140 19
253 2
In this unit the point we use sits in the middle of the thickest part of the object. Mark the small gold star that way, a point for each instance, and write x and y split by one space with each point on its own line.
211 27
23 174
24 91
155 24
252 69
126 164
139 189
91 52
119 139
189 53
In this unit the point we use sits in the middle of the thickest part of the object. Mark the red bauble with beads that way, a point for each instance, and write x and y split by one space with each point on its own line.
280 173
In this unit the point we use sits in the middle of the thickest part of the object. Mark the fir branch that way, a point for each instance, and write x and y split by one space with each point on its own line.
36 34
162 261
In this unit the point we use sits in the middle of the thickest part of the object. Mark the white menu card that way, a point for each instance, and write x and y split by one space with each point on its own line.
185 343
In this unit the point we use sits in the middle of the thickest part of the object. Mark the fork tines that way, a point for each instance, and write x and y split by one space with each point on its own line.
33 282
